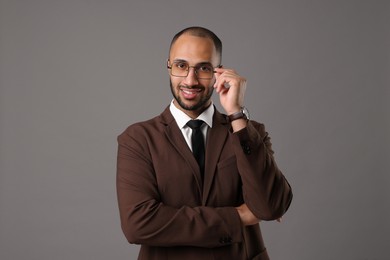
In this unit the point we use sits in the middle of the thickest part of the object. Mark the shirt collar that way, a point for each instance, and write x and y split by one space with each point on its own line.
182 118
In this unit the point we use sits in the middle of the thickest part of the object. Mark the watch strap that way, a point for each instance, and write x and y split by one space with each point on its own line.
238 115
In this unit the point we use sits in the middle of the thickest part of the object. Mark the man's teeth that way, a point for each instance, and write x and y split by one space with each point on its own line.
190 91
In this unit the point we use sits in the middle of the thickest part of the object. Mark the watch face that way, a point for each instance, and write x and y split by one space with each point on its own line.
246 112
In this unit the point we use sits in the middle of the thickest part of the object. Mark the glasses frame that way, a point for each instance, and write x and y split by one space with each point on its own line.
188 70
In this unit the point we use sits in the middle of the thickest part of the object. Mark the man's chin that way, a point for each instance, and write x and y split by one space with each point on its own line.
190 105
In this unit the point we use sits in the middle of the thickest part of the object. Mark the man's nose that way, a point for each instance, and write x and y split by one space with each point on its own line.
192 78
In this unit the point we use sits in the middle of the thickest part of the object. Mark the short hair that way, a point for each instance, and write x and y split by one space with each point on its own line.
203 33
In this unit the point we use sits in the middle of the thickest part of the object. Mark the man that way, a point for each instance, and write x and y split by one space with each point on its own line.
184 198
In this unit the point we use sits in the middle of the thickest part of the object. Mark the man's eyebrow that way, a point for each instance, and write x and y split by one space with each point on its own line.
204 63
179 60
198 64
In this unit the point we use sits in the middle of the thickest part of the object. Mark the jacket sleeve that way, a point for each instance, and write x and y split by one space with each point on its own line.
146 220
265 190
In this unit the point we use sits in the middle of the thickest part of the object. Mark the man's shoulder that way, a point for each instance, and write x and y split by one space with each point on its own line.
148 127
143 126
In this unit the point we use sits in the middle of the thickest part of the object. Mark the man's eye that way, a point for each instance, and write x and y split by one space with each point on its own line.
205 68
181 65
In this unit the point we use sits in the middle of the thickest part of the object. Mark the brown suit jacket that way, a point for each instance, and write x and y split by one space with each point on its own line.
165 207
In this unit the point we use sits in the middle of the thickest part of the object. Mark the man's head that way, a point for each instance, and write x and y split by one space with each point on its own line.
196 52
203 33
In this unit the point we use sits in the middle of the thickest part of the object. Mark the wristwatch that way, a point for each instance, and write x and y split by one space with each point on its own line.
243 113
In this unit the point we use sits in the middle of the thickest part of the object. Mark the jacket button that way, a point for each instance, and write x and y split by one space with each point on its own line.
225 240
246 148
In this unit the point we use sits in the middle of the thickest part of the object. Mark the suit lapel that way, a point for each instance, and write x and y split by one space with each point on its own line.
216 139
175 137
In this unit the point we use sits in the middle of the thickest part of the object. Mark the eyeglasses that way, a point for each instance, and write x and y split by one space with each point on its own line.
202 71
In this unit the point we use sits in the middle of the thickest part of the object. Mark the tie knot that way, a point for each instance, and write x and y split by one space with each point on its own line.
195 124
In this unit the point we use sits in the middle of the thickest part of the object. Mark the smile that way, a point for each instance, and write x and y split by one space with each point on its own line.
190 93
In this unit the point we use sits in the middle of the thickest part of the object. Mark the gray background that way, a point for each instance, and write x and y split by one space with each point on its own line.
75 74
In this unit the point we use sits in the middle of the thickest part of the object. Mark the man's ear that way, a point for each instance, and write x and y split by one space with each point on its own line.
168 66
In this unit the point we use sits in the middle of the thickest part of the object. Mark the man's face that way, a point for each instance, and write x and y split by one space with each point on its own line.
190 92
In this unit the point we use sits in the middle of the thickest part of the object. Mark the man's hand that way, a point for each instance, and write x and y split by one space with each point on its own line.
231 89
247 217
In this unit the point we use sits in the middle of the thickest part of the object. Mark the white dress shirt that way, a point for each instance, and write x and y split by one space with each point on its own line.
182 119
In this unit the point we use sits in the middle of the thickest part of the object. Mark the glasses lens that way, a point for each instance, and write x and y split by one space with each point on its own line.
179 69
205 71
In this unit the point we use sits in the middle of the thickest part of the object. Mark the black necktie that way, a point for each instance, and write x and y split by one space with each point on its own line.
197 142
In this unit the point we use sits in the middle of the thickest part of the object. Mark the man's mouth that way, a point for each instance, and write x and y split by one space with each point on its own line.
190 93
